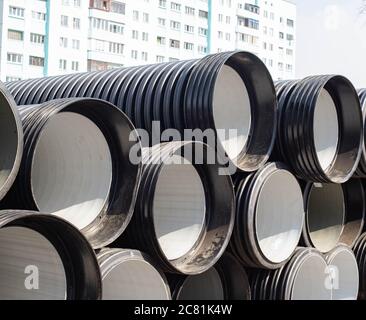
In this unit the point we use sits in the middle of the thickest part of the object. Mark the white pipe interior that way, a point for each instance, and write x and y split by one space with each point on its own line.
71 169
8 140
325 215
325 129
346 276
179 207
21 248
231 111
279 216
310 280
205 286
134 280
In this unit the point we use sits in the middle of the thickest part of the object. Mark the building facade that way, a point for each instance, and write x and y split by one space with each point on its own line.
49 37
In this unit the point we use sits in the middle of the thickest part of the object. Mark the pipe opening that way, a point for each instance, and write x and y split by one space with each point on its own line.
309 281
326 129
325 216
179 208
71 172
23 253
346 274
10 145
231 111
279 216
205 286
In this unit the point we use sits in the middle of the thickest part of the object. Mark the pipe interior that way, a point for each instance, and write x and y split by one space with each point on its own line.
8 140
20 248
179 207
279 216
134 280
326 129
231 111
310 280
72 169
346 282
205 286
325 215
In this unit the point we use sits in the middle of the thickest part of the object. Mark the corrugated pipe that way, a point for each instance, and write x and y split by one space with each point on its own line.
76 166
361 169
320 128
224 91
360 252
269 217
43 257
131 275
11 141
184 213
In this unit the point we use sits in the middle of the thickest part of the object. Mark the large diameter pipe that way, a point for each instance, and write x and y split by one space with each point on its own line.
360 252
43 257
225 91
131 275
11 141
269 217
334 214
361 169
302 278
227 280
343 272
184 213
320 128
76 166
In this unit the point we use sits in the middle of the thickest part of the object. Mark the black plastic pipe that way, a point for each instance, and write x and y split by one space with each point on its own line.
43 257
361 169
231 90
184 213
76 165
360 252
320 128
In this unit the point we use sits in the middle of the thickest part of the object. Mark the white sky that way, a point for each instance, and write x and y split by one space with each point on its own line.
331 39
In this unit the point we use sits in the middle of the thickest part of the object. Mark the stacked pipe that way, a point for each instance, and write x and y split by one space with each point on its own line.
171 224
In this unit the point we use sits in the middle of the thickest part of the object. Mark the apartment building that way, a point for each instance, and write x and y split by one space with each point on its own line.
44 37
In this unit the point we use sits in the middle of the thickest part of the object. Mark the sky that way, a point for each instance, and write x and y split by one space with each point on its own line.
331 39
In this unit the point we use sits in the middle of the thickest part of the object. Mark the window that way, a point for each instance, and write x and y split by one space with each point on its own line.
188 46
175 6
116 48
100 24
251 8
15 35
161 41
188 28
100 45
174 43
289 52
280 66
290 23
63 42
10 78
289 37
145 17
221 17
36 61
118 7
15 58
220 34
281 35
135 34
77 3
144 56
62 64
249 23
135 15
288 67
175 25
162 4
99 4
190 11
171 59
116 28
243 37
202 31
271 16
65 2
160 59
75 44
202 49
16 12
64 21
227 37
76 23
228 20
145 36
203 14
161 22
134 54
37 38
38 15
